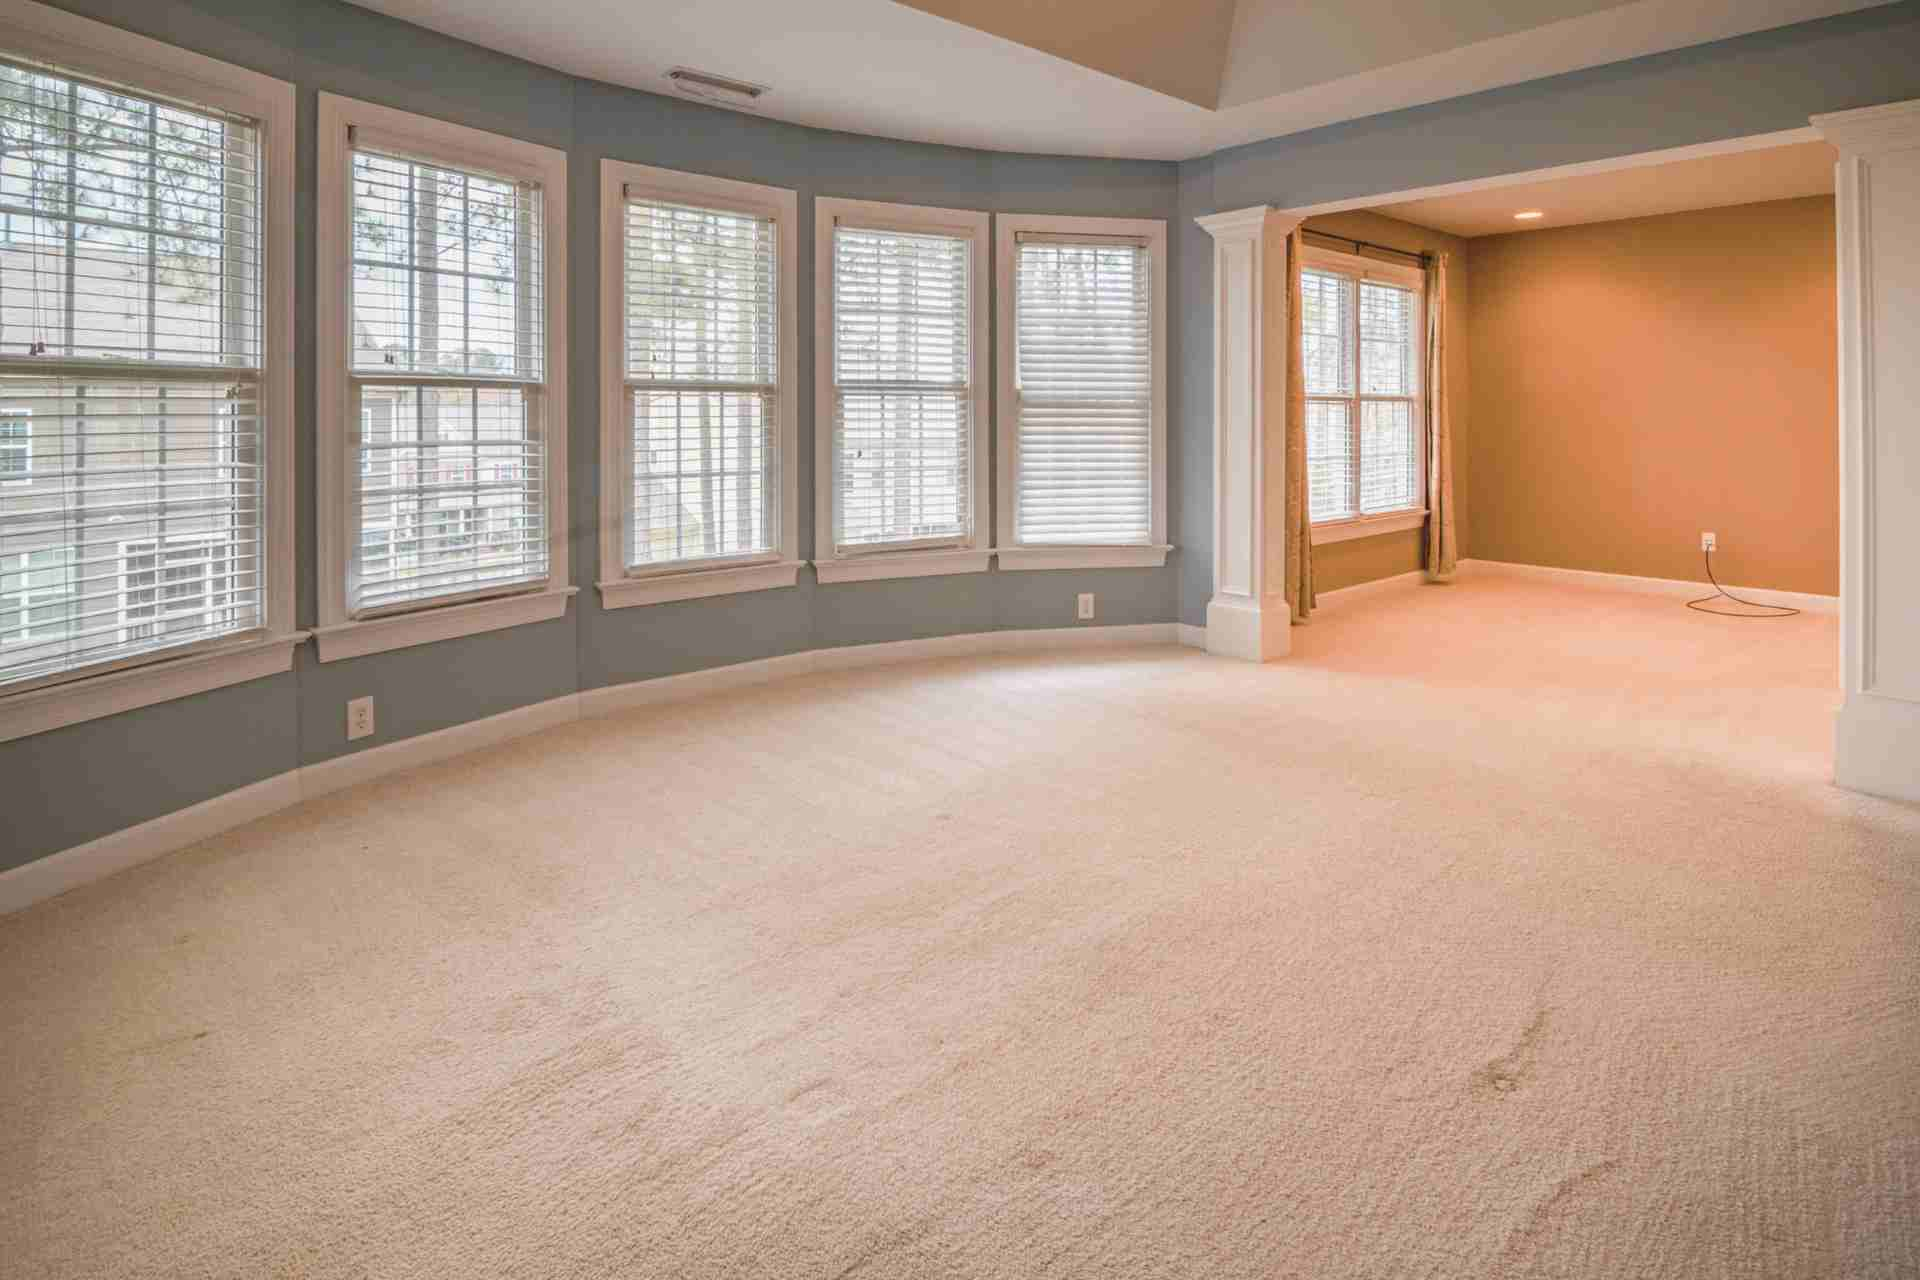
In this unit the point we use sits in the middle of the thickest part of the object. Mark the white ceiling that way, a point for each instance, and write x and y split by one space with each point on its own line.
1710 182
872 66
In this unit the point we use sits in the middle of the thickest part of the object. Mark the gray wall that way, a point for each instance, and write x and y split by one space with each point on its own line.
74 784
61 788
1760 83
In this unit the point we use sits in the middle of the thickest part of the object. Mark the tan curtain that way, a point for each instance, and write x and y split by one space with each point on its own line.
1442 550
1299 520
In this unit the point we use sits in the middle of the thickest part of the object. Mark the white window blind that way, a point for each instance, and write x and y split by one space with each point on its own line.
1361 360
130 369
1084 385
903 446
702 361
448 365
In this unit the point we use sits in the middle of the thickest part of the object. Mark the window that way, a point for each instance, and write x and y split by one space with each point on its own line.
442 406
1082 392
698 417
16 445
1361 325
901 425
145 382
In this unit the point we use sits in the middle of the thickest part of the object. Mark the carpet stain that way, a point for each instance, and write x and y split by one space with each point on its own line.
167 1042
1548 1209
1512 1069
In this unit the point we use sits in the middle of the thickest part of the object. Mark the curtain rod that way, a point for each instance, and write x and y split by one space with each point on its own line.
1368 244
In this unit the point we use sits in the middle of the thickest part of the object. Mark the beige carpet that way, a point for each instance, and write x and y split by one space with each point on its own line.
1510 930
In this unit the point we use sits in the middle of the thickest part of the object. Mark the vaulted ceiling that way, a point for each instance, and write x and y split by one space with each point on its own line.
1161 79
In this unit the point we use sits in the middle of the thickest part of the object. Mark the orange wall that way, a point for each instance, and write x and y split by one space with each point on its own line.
1345 564
1637 382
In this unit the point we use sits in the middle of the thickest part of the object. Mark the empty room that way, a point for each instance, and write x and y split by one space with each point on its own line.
956 638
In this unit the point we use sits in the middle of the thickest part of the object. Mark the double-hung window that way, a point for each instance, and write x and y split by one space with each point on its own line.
1361 335
442 387
1082 394
901 418
699 494
145 377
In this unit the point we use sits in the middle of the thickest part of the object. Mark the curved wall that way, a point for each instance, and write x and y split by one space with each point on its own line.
74 784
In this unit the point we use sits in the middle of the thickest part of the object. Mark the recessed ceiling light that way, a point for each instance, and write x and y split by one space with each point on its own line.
705 84
1528 215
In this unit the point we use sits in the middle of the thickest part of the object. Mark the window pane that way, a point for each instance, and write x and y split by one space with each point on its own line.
1387 357
700 467
140 524
1326 319
1084 348
446 271
129 229
1329 459
452 494
903 466
701 295
1387 446
903 459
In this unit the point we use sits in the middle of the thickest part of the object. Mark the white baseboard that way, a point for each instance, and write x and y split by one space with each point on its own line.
47 877
82 864
1652 586
329 776
1191 636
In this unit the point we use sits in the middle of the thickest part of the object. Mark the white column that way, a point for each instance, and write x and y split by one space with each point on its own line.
1877 744
1248 616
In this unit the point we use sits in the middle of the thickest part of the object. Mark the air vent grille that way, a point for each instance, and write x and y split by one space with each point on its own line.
704 84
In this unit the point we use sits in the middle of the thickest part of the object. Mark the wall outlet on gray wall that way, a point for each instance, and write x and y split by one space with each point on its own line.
1086 606
359 718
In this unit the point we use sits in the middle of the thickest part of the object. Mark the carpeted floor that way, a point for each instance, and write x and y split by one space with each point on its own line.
1508 930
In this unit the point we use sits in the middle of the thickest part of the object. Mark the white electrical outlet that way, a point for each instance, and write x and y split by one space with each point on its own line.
1709 542
1086 606
359 718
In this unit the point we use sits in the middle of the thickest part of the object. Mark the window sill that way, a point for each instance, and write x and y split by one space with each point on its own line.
902 564
1151 556
90 697
1367 526
402 630
659 588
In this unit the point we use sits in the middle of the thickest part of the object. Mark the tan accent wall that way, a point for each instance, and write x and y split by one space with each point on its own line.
1635 383
1346 564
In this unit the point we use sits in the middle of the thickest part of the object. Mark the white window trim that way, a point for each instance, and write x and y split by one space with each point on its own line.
109 53
976 553
1329 531
339 636
1012 553
622 586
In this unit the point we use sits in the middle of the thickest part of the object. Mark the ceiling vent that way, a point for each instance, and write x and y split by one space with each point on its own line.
721 89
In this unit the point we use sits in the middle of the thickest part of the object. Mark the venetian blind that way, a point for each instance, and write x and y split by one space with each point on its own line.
903 446
702 364
1084 381
449 360
131 487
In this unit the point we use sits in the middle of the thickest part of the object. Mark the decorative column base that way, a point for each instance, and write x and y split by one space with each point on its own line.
1249 629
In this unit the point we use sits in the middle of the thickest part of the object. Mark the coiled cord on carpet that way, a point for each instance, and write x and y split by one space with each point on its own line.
1719 592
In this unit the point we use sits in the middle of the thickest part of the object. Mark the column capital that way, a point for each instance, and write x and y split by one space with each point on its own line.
1236 224
1892 127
